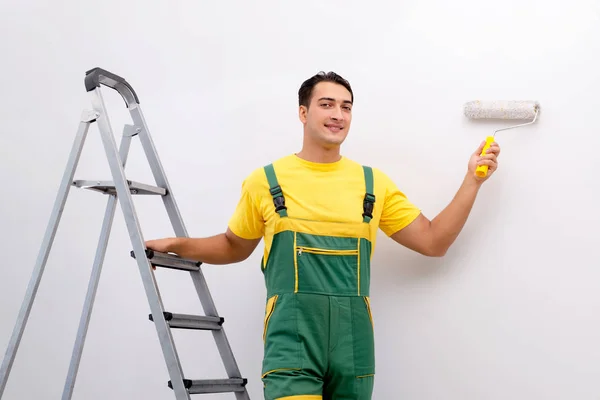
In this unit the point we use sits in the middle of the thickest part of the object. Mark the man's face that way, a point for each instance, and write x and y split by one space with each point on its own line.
327 120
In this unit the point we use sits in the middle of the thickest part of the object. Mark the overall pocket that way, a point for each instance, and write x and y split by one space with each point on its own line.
363 338
326 264
282 347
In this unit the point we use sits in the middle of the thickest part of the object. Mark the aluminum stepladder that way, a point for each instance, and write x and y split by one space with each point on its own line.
121 189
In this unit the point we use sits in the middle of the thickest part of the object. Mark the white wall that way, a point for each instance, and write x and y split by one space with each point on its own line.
510 312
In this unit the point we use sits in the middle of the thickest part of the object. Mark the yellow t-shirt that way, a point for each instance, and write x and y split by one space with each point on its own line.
331 192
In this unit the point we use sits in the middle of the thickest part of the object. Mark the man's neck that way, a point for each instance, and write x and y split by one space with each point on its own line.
319 154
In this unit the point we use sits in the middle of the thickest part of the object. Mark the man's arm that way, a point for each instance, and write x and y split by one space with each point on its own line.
224 248
227 247
434 238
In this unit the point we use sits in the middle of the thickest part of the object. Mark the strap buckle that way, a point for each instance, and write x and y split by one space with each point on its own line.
278 199
368 205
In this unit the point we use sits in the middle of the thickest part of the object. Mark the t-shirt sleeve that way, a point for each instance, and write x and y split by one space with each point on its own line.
247 220
398 211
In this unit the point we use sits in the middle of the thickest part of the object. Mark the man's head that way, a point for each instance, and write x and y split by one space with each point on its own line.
325 102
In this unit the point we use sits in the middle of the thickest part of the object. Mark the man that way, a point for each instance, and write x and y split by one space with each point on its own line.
319 213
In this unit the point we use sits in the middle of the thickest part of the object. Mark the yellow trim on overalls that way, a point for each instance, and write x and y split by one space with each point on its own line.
268 312
358 266
368 303
295 266
357 230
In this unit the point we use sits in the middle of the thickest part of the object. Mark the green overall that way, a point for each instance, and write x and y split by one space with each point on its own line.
318 328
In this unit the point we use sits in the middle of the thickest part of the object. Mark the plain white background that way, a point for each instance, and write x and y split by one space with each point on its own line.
510 312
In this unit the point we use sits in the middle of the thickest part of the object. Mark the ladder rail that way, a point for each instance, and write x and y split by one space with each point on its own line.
200 284
45 247
135 235
90 296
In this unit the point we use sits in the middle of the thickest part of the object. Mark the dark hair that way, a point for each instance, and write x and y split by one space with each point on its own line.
306 89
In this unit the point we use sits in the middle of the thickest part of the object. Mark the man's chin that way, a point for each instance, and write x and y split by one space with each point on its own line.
334 138
331 143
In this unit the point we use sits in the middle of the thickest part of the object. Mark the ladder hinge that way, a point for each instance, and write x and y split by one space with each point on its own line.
89 116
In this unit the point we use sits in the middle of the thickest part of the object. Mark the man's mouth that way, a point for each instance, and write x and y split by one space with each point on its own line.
334 127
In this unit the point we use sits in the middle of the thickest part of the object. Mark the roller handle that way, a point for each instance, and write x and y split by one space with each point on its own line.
482 170
97 76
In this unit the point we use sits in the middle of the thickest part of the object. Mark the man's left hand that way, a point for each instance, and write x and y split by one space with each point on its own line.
490 158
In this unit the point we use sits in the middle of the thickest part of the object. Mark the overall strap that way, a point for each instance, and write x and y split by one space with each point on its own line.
276 191
369 201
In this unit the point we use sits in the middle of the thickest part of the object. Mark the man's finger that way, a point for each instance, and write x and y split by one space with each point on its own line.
493 149
487 162
480 148
490 156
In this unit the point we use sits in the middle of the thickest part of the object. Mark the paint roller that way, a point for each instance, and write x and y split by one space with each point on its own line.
506 109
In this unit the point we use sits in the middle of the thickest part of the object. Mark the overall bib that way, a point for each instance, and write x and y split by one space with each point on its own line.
318 328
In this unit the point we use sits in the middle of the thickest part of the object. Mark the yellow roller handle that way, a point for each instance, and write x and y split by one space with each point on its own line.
482 170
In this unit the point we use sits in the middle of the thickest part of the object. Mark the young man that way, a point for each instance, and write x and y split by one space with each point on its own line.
318 213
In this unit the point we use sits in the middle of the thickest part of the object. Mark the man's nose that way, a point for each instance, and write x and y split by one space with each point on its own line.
337 114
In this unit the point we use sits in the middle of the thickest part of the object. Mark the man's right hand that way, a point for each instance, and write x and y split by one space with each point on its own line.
160 245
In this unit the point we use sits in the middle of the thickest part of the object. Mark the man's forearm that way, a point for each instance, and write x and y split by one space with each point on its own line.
446 226
216 250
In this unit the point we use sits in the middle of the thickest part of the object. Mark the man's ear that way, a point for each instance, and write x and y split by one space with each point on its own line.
302 111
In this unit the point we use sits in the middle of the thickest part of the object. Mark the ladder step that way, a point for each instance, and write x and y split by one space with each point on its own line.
108 187
214 385
186 321
171 261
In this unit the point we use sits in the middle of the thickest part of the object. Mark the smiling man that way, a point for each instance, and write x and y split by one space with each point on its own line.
319 213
